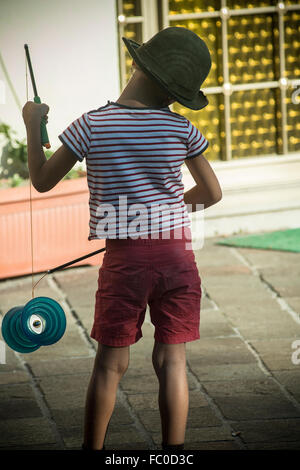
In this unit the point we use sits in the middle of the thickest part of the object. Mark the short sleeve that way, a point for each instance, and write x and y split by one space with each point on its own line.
77 136
196 142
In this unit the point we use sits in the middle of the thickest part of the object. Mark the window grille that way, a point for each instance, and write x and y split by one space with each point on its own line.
253 86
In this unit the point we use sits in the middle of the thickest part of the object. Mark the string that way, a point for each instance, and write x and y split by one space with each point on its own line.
38 282
30 200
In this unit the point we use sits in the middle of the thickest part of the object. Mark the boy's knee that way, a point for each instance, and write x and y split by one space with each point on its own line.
121 368
111 360
167 356
112 367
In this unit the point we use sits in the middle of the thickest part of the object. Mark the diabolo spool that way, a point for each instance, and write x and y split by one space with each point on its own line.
41 322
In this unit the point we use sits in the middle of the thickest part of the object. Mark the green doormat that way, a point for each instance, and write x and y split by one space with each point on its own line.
285 240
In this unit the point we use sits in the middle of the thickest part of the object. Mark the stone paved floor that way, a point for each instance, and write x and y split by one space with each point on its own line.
244 372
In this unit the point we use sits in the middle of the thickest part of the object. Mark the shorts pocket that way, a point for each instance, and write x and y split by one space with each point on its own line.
120 290
183 278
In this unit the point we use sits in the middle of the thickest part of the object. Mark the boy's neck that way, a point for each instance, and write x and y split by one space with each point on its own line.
139 94
139 98
138 104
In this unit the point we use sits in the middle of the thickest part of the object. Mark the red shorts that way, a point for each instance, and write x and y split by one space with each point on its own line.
161 273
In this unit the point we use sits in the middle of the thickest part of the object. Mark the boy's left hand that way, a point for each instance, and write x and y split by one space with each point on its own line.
34 112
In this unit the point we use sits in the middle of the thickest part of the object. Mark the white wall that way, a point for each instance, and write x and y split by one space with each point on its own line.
74 52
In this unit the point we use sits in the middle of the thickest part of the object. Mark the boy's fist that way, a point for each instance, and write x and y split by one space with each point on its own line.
34 112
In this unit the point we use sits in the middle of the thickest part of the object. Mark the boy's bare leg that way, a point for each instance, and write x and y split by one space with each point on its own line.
169 363
110 365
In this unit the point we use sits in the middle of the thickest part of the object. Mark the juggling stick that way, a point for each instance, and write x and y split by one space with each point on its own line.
37 99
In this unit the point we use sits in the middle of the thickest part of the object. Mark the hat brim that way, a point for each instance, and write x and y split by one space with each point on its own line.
200 100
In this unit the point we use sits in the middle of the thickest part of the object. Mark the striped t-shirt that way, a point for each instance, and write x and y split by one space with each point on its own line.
133 159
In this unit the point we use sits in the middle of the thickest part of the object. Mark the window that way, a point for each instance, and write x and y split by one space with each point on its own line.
254 107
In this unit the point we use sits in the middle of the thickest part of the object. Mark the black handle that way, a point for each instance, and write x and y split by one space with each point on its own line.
75 261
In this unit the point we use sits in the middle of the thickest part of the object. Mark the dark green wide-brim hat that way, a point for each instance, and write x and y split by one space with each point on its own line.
178 60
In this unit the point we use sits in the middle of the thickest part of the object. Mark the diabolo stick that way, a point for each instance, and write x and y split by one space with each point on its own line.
37 99
50 271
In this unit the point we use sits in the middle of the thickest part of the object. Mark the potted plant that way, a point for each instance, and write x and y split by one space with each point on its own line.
60 217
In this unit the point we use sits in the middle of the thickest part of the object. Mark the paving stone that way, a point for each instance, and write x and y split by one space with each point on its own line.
25 431
138 367
268 260
227 388
79 278
19 292
16 391
207 373
217 445
70 423
197 399
128 446
272 430
14 376
290 379
127 435
70 345
256 319
206 302
68 418
270 329
80 286
145 401
214 255
252 407
214 324
11 360
287 284
294 303
205 434
202 416
67 366
149 401
144 384
13 294
150 420
25 408
217 351
63 392
215 330
12 371
246 289
225 270
276 353
86 315
18 401
120 416
73 438
147 383
212 316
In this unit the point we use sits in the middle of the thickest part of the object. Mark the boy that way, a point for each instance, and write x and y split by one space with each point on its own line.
135 148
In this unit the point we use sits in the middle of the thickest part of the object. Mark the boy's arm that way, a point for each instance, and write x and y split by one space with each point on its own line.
44 174
207 190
